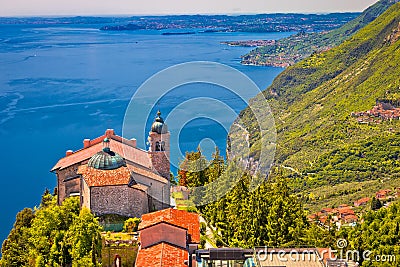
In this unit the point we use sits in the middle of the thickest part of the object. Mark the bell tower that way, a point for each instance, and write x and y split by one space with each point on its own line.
159 146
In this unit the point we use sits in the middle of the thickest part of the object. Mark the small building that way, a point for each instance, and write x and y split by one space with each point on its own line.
361 202
350 218
382 194
168 238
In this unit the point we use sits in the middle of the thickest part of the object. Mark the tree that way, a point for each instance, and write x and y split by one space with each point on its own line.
172 179
15 248
379 233
131 225
48 230
376 204
192 170
53 235
46 198
84 239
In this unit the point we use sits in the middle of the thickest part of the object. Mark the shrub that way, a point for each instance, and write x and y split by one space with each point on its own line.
203 228
131 225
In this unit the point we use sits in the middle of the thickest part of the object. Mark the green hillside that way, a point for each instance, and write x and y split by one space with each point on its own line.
299 46
318 141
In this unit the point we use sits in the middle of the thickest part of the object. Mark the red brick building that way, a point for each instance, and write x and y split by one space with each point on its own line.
111 175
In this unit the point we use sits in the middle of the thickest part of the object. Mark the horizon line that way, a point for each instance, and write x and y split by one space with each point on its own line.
176 14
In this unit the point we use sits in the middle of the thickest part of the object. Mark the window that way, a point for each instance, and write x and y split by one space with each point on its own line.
158 147
162 146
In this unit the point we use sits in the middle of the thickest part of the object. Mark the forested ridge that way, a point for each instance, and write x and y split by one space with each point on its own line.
312 103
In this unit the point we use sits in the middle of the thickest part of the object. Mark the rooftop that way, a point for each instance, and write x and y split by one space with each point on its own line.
162 255
96 178
124 147
158 125
181 218
106 159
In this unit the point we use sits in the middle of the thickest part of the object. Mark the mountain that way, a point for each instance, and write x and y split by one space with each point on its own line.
292 49
322 136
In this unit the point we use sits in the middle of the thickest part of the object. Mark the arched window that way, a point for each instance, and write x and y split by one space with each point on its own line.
158 147
162 146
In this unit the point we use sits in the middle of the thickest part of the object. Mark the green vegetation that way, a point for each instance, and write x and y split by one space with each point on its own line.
318 142
331 196
379 233
195 170
53 235
131 225
292 49
269 215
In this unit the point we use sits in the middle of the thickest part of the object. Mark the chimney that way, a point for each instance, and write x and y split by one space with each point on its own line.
133 142
86 143
69 152
110 132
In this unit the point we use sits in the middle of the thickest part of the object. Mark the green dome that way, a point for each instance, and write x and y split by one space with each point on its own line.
106 160
158 125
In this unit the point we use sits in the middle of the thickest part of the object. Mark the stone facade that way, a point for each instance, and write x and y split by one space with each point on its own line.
159 152
122 200
68 182
145 187
158 191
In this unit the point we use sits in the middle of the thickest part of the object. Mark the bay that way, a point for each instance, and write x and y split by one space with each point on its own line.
60 84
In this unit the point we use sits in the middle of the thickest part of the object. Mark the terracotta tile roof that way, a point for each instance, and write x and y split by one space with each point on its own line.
351 216
95 177
184 219
323 219
361 201
327 210
162 255
346 210
312 216
124 147
383 193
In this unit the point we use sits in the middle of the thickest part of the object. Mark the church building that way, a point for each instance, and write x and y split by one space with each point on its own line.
111 175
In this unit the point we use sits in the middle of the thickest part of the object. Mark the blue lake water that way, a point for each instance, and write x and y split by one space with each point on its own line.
60 84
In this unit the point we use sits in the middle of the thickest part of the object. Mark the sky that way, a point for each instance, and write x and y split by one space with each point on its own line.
161 7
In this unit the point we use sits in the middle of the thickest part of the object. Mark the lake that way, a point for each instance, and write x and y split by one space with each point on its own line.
60 84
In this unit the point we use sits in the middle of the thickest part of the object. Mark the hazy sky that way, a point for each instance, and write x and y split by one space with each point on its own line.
131 7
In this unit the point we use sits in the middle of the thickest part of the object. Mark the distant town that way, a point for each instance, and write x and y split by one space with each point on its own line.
242 23
382 111
205 23
346 215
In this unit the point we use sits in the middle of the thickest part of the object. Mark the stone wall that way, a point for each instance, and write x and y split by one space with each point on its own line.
121 200
159 192
67 182
160 159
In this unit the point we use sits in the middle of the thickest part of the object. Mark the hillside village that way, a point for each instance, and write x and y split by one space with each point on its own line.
346 215
382 111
